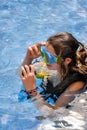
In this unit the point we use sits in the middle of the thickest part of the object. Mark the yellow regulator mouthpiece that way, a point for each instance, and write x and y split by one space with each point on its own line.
41 75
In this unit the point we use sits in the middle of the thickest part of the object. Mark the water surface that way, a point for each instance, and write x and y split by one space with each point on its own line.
23 23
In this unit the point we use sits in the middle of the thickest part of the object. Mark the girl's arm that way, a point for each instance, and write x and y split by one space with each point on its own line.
68 95
32 52
27 60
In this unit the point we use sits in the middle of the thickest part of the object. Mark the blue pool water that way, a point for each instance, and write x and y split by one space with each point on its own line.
23 23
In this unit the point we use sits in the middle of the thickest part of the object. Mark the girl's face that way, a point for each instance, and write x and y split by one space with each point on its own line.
54 66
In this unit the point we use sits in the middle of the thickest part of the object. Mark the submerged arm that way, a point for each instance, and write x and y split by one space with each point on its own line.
69 94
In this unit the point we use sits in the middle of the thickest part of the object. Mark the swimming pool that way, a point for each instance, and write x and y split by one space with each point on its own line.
23 23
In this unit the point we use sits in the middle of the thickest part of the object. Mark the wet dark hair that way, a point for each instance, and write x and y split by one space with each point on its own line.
66 46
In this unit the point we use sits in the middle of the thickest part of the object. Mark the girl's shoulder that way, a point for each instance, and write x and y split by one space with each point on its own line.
76 86
76 76
78 81
73 80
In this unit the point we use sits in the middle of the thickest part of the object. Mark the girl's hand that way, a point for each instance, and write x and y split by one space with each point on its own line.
34 51
28 78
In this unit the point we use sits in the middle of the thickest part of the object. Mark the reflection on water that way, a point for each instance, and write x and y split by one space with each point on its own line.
73 117
23 23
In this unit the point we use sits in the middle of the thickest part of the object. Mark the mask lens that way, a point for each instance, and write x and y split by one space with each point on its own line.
49 58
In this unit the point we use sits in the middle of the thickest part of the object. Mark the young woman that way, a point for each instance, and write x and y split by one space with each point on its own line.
61 52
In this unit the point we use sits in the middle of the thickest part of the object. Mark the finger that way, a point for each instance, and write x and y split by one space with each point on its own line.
27 69
31 68
43 43
36 50
39 44
31 51
23 71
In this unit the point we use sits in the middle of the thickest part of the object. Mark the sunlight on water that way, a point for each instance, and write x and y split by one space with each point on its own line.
23 23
